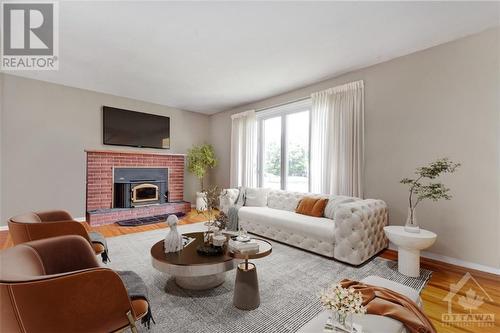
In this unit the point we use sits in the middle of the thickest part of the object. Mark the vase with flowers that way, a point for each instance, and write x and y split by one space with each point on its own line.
343 304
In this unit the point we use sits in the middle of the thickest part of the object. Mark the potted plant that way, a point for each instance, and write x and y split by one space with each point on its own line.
429 190
200 159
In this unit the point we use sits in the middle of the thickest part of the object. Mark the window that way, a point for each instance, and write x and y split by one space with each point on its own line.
271 156
283 152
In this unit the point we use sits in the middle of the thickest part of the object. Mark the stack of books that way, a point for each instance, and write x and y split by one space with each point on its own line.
250 247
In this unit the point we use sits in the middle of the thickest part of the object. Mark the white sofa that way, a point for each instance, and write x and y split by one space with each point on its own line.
351 231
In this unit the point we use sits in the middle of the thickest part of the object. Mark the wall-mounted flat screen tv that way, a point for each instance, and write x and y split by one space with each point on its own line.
136 129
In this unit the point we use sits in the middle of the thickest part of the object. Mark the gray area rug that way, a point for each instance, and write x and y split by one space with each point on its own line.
290 281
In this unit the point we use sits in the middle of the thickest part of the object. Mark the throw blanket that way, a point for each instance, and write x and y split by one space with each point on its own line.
385 302
96 237
137 289
232 215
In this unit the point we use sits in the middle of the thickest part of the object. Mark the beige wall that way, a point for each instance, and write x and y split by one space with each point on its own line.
443 101
46 127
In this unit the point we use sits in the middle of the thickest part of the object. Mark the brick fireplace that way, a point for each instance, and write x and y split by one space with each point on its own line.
101 168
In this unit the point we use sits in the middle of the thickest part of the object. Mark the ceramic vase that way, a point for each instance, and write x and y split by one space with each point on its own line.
201 201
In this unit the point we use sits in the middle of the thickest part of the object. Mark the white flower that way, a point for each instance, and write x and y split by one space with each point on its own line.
342 300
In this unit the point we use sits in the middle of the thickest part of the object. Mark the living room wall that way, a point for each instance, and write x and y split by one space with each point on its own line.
45 129
442 101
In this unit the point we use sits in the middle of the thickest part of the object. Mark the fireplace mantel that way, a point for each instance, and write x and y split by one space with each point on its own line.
134 152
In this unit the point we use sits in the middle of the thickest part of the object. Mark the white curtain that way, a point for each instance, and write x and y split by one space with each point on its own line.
337 140
244 150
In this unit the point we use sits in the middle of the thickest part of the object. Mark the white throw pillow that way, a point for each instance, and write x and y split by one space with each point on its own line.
232 194
256 197
333 202
227 199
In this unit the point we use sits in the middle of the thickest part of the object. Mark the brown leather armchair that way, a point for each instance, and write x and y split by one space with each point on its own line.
39 225
45 287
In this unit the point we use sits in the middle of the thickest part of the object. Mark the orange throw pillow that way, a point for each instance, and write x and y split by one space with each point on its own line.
319 207
311 206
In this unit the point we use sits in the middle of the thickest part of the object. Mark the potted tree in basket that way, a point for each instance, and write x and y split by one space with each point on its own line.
429 190
200 159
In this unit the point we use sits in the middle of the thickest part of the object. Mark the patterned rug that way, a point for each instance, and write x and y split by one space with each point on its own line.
290 281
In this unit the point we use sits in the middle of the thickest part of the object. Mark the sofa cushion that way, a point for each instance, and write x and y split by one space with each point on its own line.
306 205
284 200
318 228
256 197
333 202
311 206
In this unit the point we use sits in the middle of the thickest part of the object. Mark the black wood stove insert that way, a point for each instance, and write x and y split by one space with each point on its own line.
135 187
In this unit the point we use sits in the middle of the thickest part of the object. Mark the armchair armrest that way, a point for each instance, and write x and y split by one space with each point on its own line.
84 301
54 229
54 215
359 230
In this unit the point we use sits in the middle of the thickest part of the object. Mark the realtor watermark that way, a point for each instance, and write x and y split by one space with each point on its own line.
30 36
474 296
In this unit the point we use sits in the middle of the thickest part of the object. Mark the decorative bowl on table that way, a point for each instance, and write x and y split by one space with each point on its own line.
210 250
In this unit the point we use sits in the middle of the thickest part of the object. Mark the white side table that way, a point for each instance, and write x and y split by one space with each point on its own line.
409 246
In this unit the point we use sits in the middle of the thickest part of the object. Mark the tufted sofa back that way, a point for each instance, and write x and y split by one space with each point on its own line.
287 200
284 200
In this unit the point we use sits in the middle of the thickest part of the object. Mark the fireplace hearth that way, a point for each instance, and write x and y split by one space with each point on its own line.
137 187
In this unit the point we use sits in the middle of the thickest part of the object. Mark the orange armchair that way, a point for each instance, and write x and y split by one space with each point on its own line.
46 288
39 225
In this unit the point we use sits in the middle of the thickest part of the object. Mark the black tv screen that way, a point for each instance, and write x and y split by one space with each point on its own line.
136 129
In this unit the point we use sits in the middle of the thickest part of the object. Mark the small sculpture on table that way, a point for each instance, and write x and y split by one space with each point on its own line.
173 240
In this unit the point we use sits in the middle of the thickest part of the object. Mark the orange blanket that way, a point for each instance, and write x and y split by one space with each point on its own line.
385 302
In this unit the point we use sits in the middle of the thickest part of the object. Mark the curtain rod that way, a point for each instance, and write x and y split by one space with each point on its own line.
281 104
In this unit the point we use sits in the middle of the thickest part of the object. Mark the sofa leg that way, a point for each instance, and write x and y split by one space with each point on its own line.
131 320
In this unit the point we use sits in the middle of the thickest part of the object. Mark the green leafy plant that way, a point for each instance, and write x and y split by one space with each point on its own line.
429 190
297 160
200 159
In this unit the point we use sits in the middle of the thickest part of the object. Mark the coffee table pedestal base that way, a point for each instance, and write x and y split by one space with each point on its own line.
246 288
200 282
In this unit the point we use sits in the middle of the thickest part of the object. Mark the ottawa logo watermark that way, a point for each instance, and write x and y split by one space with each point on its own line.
30 38
474 296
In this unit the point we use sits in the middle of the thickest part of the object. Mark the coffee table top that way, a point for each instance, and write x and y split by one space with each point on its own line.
188 255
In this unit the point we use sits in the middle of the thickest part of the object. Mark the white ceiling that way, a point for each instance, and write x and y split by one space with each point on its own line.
212 56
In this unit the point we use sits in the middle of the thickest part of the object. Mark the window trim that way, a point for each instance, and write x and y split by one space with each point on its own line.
281 111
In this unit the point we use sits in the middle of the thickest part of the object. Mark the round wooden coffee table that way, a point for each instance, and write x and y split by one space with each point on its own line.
192 271
246 288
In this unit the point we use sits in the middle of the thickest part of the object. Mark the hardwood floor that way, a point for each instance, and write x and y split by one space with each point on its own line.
433 294
439 286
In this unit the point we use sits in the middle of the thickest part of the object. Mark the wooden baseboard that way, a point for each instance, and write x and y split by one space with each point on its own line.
433 265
